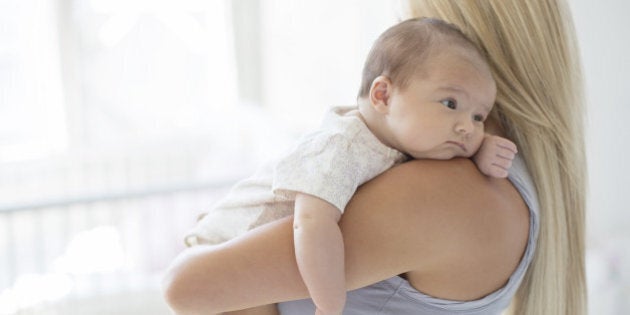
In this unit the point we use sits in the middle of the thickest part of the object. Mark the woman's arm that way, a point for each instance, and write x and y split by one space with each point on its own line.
416 218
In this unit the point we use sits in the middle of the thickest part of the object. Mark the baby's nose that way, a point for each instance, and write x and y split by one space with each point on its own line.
464 126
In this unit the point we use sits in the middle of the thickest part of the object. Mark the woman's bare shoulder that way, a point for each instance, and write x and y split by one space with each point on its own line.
456 233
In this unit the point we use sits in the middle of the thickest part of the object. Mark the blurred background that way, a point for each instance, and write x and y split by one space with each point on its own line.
121 121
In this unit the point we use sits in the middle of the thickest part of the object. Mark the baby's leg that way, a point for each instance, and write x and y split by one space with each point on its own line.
270 309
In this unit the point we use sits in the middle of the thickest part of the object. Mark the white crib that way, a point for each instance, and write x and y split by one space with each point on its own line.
92 233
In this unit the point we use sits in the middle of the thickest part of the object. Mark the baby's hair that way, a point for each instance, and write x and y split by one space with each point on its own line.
401 50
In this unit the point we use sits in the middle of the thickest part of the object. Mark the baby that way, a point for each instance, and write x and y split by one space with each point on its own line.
425 94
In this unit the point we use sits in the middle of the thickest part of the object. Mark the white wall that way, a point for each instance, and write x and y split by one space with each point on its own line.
313 54
604 34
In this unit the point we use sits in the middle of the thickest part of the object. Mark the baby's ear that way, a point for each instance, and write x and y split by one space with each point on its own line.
380 92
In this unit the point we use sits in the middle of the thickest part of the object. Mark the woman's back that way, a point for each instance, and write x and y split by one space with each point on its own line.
458 277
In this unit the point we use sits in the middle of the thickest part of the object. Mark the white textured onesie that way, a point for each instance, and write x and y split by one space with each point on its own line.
329 163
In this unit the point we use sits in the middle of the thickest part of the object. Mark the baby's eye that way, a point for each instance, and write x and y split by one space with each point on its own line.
479 118
450 103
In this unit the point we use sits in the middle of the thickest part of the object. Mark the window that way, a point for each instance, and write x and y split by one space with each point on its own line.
120 121
32 114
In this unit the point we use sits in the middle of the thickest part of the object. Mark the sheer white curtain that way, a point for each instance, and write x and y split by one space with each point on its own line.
148 70
107 73
32 115
93 73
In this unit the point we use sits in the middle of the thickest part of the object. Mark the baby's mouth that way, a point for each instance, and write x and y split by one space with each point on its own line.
459 144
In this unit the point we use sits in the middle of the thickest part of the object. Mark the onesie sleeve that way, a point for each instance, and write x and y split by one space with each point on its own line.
323 166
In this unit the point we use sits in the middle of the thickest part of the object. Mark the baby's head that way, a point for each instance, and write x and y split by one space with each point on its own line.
426 90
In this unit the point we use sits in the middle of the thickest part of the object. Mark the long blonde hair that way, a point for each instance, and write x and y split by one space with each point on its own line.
532 50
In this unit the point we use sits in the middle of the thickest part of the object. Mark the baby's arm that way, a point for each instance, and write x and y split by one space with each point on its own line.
494 157
320 253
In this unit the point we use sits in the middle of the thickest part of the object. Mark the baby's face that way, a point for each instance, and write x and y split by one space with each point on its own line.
441 113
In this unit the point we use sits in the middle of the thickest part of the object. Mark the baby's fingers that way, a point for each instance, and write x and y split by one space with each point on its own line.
497 172
502 163
505 144
505 154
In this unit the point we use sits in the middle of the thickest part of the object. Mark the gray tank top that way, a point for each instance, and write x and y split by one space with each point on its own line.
396 296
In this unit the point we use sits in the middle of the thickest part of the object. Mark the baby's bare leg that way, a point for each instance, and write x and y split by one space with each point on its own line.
270 309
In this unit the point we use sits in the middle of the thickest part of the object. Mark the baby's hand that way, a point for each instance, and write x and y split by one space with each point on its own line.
495 156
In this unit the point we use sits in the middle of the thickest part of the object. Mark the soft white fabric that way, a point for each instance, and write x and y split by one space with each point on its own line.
329 163
333 161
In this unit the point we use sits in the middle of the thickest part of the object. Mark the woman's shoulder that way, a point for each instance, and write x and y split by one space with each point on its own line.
462 233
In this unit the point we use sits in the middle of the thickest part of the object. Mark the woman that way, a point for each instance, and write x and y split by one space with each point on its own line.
461 239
